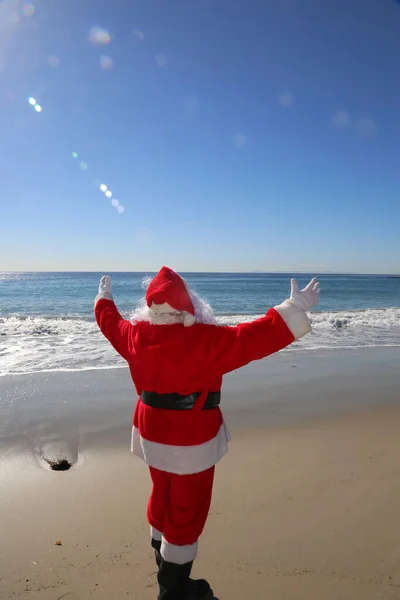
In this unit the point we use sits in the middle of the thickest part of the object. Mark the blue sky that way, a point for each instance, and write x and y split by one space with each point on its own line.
257 135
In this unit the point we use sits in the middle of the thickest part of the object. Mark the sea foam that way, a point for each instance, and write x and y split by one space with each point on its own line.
31 344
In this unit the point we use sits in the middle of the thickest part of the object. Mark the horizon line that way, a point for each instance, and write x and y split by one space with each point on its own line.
257 272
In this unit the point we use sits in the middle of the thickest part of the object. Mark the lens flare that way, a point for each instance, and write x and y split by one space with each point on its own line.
240 140
139 35
28 9
286 99
99 36
53 61
106 63
83 165
341 119
161 60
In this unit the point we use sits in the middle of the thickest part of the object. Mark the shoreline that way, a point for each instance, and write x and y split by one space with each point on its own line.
308 352
73 345
78 411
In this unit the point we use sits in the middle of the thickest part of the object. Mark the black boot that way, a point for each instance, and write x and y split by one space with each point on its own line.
175 583
156 544
198 589
173 580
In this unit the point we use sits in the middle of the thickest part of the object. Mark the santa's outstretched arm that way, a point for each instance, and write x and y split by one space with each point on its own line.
294 310
230 348
112 325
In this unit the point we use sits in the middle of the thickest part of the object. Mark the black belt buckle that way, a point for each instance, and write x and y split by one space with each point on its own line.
186 402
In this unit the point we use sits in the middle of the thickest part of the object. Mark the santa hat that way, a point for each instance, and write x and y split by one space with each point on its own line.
167 292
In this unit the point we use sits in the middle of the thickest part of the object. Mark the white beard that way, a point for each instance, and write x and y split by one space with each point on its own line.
203 313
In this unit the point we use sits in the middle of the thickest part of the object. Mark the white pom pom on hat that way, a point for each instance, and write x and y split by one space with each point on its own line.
189 320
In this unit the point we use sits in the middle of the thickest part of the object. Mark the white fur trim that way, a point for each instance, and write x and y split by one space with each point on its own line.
164 314
104 295
178 555
181 460
155 534
295 318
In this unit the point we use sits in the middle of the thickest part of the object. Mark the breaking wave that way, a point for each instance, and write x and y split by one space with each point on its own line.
71 343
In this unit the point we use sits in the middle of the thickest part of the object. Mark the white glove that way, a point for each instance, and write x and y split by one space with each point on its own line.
105 285
104 288
307 297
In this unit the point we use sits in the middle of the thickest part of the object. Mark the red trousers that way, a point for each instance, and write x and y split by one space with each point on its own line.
179 504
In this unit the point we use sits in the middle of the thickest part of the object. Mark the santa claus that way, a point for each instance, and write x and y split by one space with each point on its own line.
177 356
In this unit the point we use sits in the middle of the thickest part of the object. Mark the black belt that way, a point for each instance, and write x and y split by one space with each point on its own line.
178 402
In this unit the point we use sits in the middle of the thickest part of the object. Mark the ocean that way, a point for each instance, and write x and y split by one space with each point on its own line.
47 323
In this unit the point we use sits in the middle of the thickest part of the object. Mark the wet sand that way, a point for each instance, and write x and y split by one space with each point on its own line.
305 503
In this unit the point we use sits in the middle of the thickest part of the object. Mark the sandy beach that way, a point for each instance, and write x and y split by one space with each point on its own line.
305 503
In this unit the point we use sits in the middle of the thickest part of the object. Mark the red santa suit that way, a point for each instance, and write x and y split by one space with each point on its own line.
177 365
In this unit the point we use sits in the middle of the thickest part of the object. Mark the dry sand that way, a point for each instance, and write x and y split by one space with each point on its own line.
306 512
